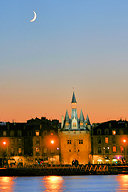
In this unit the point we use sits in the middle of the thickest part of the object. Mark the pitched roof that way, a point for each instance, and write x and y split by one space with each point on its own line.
81 116
73 98
66 116
87 120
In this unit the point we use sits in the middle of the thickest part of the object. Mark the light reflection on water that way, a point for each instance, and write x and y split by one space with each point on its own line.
123 182
53 183
114 183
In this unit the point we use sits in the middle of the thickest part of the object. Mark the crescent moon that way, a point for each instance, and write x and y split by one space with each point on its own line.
34 18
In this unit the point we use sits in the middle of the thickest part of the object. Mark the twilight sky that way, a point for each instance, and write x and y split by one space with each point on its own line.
73 43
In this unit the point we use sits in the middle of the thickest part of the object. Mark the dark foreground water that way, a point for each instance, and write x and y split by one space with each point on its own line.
65 183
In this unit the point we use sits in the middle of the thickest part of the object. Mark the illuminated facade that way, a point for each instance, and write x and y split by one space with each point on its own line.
75 140
110 142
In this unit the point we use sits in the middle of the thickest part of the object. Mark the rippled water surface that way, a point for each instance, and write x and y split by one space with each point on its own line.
65 183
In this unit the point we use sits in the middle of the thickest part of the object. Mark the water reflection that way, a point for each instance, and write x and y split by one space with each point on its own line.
123 182
53 183
6 184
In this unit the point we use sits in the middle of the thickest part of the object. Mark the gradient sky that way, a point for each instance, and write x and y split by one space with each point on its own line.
73 43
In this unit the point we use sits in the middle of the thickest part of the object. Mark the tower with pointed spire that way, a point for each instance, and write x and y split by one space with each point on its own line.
75 140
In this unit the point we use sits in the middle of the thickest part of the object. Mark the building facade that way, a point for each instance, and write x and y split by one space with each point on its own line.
74 135
110 142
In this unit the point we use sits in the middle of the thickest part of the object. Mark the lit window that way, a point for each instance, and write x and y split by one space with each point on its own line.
19 150
80 141
67 124
74 124
106 139
37 133
37 149
68 141
81 123
114 149
121 149
4 133
114 132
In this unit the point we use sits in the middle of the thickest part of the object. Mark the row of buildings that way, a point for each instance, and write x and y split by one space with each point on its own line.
74 139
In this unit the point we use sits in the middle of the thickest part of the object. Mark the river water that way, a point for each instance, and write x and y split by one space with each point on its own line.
89 183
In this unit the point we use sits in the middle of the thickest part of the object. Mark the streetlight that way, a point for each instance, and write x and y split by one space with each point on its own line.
124 141
5 153
52 142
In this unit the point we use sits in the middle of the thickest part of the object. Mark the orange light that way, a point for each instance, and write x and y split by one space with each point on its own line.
124 140
4 143
114 132
52 141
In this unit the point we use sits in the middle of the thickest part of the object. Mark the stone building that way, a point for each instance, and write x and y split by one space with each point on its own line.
110 142
74 135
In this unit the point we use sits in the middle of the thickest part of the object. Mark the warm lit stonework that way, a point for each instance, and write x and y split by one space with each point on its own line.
75 139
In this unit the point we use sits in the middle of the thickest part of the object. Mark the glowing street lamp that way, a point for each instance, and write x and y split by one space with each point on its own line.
4 142
52 142
124 141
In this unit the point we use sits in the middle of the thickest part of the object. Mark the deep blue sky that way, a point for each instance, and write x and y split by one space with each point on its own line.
73 43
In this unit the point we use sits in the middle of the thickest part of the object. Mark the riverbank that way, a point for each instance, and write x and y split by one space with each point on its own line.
65 171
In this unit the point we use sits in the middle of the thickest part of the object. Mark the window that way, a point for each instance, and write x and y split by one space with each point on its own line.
19 150
99 150
99 140
113 140
37 133
19 141
68 141
19 133
78 150
106 149
98 132
12 151
4 133
52 150
37 141
12 141
114 132
106 139
45 150
37 149
11 133
44 133
74 124
114 149
69 150
106 132
81 141
121 149
81 123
